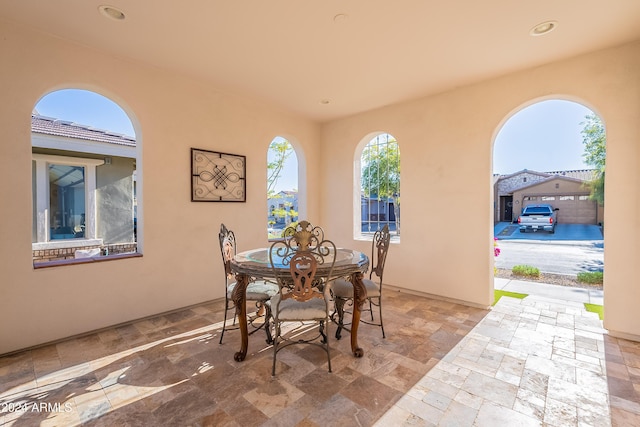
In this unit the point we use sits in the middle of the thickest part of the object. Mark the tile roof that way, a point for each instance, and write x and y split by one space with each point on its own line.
581 174
52 126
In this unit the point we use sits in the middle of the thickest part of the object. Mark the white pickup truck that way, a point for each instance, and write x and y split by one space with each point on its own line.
538 217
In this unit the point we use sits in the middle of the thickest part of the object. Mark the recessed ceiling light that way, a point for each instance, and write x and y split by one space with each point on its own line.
341 17
543 28
325 101
111 12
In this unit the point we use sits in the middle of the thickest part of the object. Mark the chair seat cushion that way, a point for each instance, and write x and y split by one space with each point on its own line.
344 289
257 291
290 309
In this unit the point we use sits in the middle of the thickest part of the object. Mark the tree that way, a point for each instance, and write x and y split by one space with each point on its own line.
594 140
381 172
279 152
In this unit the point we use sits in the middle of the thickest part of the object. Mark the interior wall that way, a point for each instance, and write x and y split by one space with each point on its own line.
446 145
181 262
446 150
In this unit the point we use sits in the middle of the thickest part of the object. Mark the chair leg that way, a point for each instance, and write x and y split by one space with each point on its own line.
321 330
224 323
267 326
340 309
326 341
276 337
380 308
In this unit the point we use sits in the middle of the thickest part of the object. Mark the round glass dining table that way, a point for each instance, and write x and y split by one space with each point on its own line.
255 264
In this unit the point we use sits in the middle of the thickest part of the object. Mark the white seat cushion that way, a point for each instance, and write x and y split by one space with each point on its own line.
257 291
344 288
290 309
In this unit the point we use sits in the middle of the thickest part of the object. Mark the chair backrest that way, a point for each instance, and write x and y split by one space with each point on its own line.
227 248
296 260
303 235
379 249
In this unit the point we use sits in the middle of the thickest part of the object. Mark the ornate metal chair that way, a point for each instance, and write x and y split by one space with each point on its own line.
258 291
303 296
343 290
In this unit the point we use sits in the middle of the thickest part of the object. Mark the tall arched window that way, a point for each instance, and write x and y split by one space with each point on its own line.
380 185
282 186
84 177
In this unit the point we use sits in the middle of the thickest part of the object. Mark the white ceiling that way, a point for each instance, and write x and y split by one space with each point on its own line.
297 53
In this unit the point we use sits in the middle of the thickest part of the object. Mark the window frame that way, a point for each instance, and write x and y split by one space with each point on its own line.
42 220
358 234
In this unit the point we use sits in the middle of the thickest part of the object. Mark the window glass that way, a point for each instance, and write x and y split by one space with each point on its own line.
567 198
547 198
66 201
282 186
380 185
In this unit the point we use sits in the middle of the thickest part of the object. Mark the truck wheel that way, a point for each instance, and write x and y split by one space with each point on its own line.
521 230
553 230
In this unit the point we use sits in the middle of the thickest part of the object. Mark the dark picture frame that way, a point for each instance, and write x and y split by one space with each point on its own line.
217 176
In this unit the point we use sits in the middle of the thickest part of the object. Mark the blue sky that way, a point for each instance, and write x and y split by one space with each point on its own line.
543 137
86 108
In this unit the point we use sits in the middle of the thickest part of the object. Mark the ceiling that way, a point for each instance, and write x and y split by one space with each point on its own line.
327 59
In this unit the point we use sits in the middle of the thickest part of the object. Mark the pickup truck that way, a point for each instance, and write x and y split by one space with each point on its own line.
538 217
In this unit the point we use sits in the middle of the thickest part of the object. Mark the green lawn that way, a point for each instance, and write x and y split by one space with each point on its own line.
499 294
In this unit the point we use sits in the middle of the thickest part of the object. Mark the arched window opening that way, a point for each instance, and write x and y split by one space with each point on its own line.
282 186
380 186
551 152
83 178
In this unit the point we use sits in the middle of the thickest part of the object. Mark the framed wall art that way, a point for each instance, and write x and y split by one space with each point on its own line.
217 177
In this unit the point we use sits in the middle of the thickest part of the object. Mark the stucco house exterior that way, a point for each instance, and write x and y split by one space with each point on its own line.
565 190
83 191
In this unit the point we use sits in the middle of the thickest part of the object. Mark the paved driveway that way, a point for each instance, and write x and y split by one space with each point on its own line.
581 232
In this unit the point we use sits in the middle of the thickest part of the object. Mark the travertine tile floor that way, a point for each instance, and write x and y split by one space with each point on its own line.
526 362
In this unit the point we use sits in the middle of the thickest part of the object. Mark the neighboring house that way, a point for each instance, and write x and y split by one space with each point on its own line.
83 190
375 210
286 202
565 190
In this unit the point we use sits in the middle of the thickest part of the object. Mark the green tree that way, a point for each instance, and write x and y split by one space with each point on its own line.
595 152
279 152
381 173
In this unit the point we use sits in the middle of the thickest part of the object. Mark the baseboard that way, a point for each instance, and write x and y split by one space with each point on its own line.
434 296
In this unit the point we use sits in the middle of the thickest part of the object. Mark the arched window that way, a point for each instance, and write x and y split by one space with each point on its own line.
380 186
84 177
282 186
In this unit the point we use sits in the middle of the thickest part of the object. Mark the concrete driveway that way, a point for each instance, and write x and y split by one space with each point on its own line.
564 232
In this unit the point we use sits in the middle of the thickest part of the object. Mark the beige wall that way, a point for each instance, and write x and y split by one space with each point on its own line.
181 263
446 144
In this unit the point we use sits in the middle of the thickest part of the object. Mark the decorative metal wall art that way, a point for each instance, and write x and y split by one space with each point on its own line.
217 177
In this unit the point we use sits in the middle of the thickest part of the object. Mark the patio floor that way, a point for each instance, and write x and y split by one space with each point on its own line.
536 361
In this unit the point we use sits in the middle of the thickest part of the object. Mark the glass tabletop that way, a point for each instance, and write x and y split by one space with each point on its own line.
255 262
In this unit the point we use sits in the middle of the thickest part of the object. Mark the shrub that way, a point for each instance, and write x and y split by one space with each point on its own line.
592 277
525 270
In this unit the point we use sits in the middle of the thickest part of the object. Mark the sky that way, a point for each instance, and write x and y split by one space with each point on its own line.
86 108
543 137
288 178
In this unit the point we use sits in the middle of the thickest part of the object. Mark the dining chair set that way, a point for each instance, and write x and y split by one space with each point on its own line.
305 292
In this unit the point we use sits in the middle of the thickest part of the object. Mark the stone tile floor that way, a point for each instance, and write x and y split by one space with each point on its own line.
536 361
